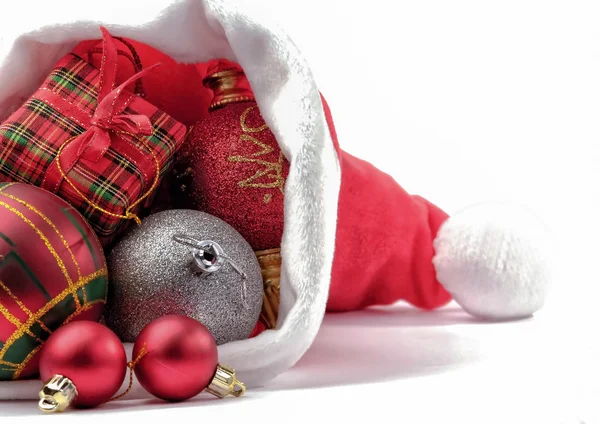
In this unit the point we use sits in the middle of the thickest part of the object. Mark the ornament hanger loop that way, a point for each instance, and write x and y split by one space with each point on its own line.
57 394
208 255
239 389
48 404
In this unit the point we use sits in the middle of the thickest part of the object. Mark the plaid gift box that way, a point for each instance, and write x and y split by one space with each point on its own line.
97 145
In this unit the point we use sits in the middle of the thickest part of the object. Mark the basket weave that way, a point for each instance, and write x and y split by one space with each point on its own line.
270 264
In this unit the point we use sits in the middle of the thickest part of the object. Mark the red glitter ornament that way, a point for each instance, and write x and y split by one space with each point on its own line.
231 165
178 360
84 364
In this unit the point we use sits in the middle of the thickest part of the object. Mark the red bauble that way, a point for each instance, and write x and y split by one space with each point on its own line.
231 164
91 356
181 357
52 270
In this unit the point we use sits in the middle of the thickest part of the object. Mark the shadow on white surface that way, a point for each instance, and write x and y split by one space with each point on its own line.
28 408
383 344
402 315
375 345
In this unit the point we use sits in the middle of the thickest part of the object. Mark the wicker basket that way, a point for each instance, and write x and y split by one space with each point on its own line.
270 264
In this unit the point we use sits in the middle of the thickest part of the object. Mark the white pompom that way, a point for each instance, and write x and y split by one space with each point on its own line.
494 260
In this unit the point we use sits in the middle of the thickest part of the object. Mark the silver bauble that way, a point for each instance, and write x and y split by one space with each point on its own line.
152 275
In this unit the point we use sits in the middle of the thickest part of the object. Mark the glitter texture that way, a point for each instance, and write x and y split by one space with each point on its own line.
236 172
152 276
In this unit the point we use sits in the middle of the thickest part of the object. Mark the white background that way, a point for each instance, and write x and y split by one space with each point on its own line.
462 102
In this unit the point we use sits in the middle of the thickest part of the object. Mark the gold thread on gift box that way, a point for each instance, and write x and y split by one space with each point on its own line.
128 213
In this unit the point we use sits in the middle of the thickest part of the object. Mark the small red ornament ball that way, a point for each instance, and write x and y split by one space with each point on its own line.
91 356
180 359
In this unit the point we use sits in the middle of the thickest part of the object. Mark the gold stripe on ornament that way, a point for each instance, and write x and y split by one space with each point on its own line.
22 306
15 321
71 290
22 365
9 364
51 224
59 261
84 308
10 317
19 368
6 185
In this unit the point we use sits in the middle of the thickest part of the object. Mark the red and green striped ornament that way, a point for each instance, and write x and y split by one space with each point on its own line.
52 271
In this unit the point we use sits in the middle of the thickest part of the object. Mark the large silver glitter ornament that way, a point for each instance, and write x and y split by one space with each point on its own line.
184 262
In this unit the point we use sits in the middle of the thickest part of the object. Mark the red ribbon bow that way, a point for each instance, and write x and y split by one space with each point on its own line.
109 116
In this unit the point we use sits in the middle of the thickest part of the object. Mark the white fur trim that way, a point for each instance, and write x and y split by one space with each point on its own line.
196 31
494 261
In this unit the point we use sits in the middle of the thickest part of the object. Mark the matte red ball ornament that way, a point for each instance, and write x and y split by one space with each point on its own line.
179 359
83 364
52 271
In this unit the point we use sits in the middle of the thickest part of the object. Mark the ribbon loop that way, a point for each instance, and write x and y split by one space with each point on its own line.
109 116
109 120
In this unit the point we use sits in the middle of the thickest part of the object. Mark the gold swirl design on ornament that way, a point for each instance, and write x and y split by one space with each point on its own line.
71 290
51 224
59 261
270 170
246 128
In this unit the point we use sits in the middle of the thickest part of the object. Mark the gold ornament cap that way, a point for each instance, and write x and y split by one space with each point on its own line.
228 82
57 394
224 383
270 265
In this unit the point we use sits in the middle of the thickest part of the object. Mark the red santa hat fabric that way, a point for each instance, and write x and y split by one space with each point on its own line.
352 236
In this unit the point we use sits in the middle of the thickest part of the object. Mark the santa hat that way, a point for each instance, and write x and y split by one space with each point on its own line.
352 236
